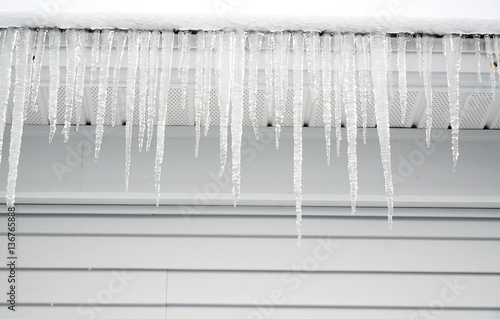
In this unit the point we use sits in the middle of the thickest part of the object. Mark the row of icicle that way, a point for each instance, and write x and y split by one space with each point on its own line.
347 58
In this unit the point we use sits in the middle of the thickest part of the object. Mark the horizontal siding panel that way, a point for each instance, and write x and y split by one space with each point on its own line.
333 289
257 253
348 226
89 287
134 312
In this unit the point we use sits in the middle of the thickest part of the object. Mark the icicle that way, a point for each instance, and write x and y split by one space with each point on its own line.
337 87
298 87
349 85
496 44
362 60
237 111
107 41
477 48
489 56
428 42
326 55
253 73
120 38
37 68
418 44
227 74
54 44
80 74
94 57
278 83
207 80
312 49
452 52
184 40
29 74
167 43
268 61
402 38
378 47
71 43
389 66
20 87
143 83
132 62
152 84
8 44
198 89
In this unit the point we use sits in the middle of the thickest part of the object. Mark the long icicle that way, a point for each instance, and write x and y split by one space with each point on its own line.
237 111
94 57
20 87
167 44
227 74
8 44
349 84
80 74
254 40
207 80
54 73
121 38
278 83
401 57
428 42
29 74
143 83
298 104
198 90
337 87
453 52
152 84
378 49
107 41
133 60
71 53
326 57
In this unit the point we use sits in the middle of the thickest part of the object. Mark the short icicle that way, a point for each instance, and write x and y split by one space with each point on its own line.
120 38
37 68
8 44
198 88
225 90
268 72
94 57
143 83
132 62
19 100
107 42
489 56
452 44
80 74
428 42
152 87
402 86
54 74
298 87
477 54
326 68
184 43
337 87
378 49
71 55
207 80
167 44
418 45
362 59
254 40
237 111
